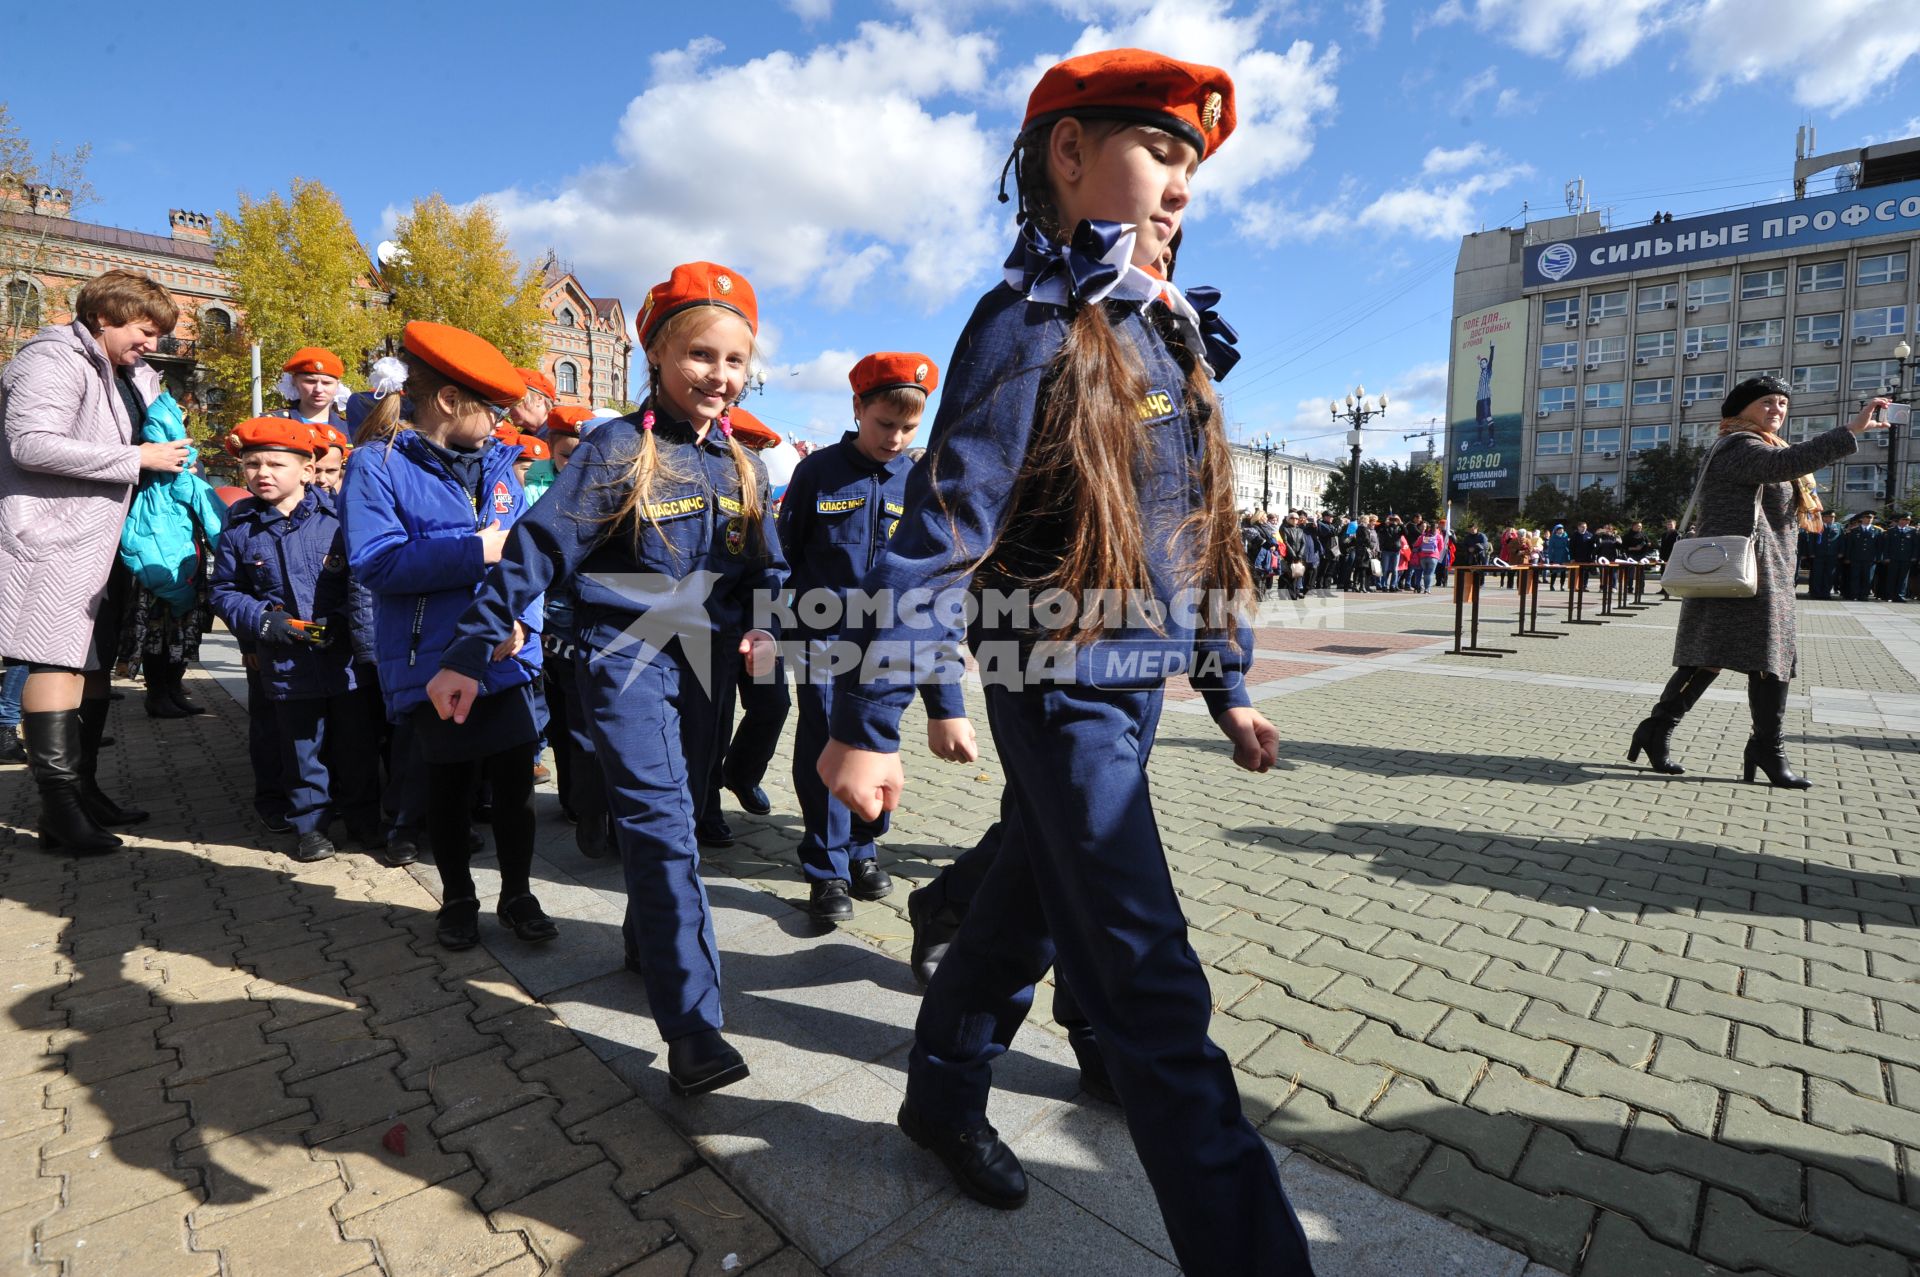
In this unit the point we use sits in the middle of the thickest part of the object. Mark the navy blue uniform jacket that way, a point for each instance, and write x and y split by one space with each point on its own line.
294 563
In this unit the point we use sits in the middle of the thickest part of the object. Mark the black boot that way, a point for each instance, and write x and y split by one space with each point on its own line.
1655 732
53 754
177 692
13 751
1766 748
984 1167
93 725
935 924
160 698
702 1062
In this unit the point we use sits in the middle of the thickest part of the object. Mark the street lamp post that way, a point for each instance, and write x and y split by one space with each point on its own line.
1358 412
1901 391
1264 445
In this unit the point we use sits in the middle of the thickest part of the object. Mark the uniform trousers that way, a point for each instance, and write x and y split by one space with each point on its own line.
747 749
1082 882
577 774
270 798
834 837
329 760
1823 578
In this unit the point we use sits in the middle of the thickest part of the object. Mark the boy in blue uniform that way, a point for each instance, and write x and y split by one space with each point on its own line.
280 584
840 509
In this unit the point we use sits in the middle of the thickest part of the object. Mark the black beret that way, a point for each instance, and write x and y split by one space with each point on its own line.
1749 390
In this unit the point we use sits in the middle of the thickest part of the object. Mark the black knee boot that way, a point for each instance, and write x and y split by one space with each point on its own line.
53 755
93 726
1766 748
1655 732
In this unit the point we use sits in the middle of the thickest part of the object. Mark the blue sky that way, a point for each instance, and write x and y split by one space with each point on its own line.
844 155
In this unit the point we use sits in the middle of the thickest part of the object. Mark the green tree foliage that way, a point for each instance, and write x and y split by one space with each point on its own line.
1387 488
1662 480
1545 507
300 278
454 267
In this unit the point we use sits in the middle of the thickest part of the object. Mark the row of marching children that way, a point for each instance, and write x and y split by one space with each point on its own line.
1079 450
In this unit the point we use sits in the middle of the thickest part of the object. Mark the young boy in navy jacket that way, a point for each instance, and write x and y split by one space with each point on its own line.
280 584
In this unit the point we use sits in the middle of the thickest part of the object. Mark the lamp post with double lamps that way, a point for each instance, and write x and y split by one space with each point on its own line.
1902 391
1358 412
1265 445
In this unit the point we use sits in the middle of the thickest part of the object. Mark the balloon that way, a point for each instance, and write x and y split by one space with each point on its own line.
780 462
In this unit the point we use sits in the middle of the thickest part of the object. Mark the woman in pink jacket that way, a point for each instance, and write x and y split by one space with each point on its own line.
71 404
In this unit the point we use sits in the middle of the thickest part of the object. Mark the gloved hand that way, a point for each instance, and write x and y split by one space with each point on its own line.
278 627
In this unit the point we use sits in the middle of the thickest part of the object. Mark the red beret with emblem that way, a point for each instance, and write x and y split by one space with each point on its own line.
537 380
534 449
315 359
1189 100
750 430
466 359
894 370
277 434
567 418
697 284
507 432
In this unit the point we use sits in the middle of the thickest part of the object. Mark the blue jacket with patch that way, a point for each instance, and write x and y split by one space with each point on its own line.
989 406
692 564
294 563
412 540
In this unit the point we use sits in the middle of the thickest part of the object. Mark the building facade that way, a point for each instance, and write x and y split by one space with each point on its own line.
1634 336
589 354
1268 480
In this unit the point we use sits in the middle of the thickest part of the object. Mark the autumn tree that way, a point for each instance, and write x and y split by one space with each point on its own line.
37 191
453 266
300 278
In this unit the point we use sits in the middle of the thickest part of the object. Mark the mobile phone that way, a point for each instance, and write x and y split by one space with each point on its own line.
1897 414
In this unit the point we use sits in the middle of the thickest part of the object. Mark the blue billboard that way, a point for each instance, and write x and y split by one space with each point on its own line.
1796 224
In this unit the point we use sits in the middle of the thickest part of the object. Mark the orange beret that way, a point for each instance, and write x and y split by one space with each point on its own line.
315 359
750 430
892 370
537 380
507 432
1187 99
534 449
280 434
466 359
697 284
567 418
332 438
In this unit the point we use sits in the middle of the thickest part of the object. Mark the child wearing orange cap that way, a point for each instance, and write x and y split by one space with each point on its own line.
661 521
1079 463
329 464
279 582
428 510
311 379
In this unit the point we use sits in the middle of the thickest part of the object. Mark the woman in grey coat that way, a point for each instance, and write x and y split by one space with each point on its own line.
1756 635
71 404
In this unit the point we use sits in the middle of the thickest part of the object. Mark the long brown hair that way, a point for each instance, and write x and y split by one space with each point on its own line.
634 503
1085 461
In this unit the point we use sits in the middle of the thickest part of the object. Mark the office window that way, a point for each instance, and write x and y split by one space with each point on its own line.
1761 332
1699 434
1714 290
1562 483
1801 429
1888 268
1816 379
1559 354
1606 394
1652 345
1606 482
1866 480
1606 350
1756 284
1603 439
1710 385
1553 443
1561 310
1607 305
1706 339
1556 398
1822 277
1874 375
1640 438
1655 297
1880 321
1817 327
1655 390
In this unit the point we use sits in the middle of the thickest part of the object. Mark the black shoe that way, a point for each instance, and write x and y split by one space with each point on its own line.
276 822
177 693
1655 735
313 846
593 839
160 705
13 751
870 881
459 924
1094 1079
714 831
933 930
399 852
526 919
53 755
702 1062
753 800
1771 758
829 901
985 1168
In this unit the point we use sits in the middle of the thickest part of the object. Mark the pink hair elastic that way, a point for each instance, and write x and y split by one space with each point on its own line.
726 424
646 419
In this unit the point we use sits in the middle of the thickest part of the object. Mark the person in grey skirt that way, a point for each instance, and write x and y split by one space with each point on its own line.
1755 635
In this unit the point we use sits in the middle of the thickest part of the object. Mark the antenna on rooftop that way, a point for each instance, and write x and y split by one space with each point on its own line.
1577 196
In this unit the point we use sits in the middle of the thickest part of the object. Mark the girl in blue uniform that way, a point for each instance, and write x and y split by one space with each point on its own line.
427 512
1079 448
661 520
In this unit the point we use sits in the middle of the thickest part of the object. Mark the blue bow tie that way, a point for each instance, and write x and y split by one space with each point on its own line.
1035 258
1218 335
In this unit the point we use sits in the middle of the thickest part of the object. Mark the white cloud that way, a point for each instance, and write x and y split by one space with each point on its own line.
1485 82
1444 201
1592 35
1514 102
1836 54
811 10
825 373
1369 17
1442 160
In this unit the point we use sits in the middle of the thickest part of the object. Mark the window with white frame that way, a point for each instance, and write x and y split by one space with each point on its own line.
1561 310
1606 394
1880 321
1866 480
1887 268
566 377
1707 385
1607 305
1655 297
1606 350
1553 443
1706 339
1822 328
1800 429
1755 333
1562 483
1605 482
1758 284
1816 379
1556 398
1559 354
1641 438
1874 375
1714 290
1652 390
1653 345
1601 439
1698 434
1822 277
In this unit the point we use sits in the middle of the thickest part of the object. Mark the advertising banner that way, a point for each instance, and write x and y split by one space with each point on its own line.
1485 414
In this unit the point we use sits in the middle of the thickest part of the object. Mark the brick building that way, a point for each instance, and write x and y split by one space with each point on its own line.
589 354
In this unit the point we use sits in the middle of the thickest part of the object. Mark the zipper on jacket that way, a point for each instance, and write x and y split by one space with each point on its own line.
419 620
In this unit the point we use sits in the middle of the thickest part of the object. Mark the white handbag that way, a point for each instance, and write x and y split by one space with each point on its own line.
1723 567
